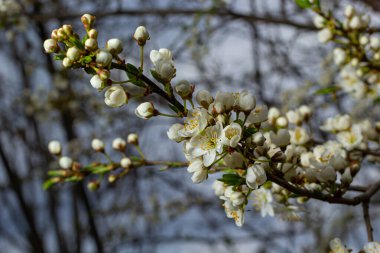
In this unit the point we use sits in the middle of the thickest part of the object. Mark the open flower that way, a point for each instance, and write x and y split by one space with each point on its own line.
232 134
299 136
372 247
163 63
263 201
194 123
350 139
208 144
199 171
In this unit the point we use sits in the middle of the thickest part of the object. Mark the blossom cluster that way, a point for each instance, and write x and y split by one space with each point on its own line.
71 170
357 51
336 246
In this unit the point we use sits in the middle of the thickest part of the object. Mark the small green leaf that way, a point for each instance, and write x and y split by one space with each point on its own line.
132 69
87 59
232 179
327 90
49 183
101 169
303 3
73 179
59 57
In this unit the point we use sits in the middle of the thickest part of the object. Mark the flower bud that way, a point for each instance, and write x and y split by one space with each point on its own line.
93 185
349 11
54 34
204 98
115 96
374 43
112 178
281 138
91 44
87 20
273 114
61 35
119 144
305 112
66 62
126 163
73 54
54 147
51 46
133 139
363 40
141 35
246 101
115 46
97 82
166 70
92 34
355 22
68 29
346 178
319 21
103 58
97 145
258 138
145 110
173 132
339 56
218 188
282 122
325 35
184 89
65 162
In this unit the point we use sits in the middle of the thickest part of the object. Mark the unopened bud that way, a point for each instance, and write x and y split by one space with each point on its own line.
66 62
68 29
93 34
133 139
97 145
141 35
93 185
87 20
55 148
91 44
119 144
184 89
126 163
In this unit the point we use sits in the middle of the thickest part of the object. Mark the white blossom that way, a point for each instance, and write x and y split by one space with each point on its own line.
50 46
204 98
199 171
173 132
218 188
232 134
114 46
208 144
163 63
125 162
299 136
97 82
281 138
55 147
73 53
141 35
336 246
256 176
65 162
339 56
372 247
145 110
103 58
119 144
246 101
263 201
133 139
374 43
97 145
325 35
258 115
195 122
319 21
115 96
350 139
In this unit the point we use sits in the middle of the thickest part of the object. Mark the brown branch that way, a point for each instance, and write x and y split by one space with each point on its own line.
367 220
178 12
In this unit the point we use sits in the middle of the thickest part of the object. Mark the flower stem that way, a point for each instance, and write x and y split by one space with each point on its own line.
168 115
141 58
140 152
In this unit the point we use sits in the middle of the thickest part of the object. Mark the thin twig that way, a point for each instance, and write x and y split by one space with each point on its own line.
367 220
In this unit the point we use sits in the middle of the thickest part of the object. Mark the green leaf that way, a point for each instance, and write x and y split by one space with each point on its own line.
232 179
303 3
59 57
73 179
240 122
327 90
133 73
101 169
87 59
132 69
49 183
